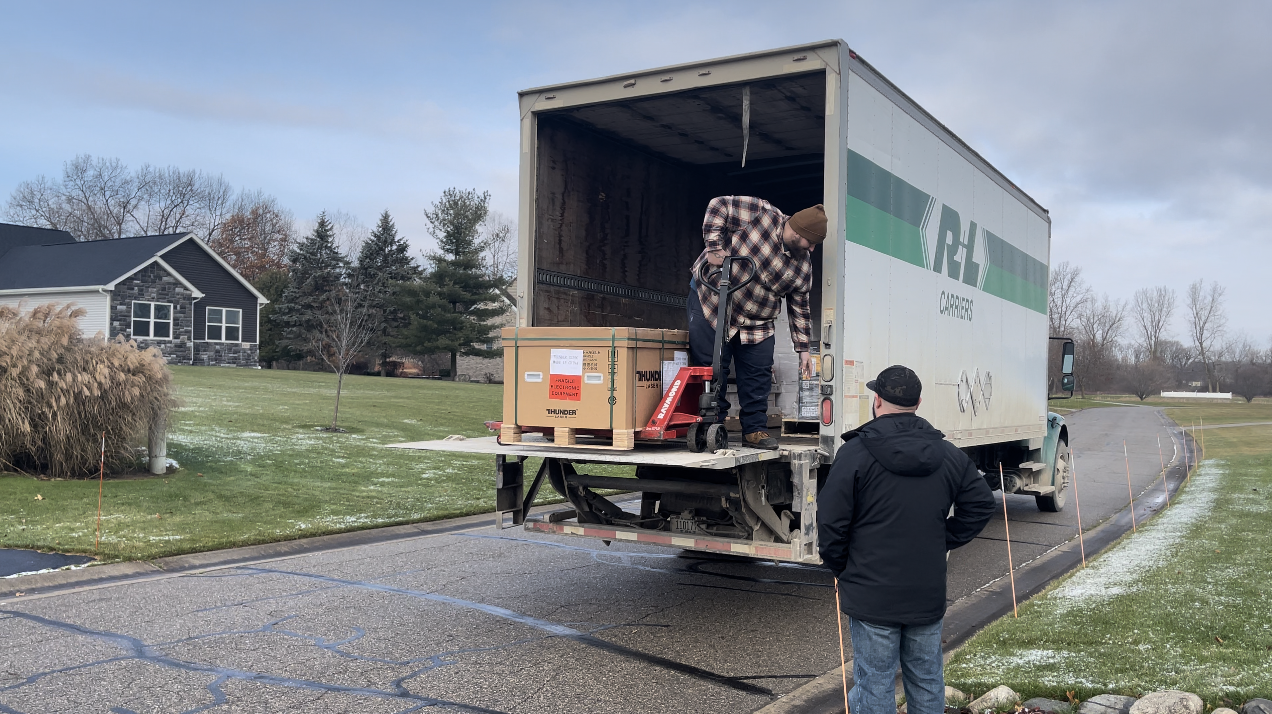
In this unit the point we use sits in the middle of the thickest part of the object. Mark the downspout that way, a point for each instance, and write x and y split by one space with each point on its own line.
193 300
102 290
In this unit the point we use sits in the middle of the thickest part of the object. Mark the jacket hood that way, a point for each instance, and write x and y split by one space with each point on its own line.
905 444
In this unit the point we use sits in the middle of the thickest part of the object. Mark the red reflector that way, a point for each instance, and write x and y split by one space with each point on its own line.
828 411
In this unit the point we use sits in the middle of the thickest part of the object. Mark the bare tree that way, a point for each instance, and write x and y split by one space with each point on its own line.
1177 357
1207 323
98 199
1247 368
344 325
350 233
1068 295
499 251
1151 310
1100 325
39 203
102 196
1142 375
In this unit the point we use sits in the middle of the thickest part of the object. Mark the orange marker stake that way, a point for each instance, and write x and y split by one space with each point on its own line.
1183 437
101 477
1077 503
1128 485
843 661
1163 460
1196 456
1011 569
1203 437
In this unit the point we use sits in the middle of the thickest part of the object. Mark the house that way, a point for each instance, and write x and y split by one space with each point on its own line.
168 291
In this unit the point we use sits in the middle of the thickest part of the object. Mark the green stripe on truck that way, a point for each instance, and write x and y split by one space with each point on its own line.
886 214
879 231
1003 284
874 185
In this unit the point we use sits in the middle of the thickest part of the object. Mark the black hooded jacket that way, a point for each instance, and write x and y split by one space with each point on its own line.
882 526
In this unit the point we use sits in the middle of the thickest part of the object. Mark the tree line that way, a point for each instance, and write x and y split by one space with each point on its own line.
1129 346
339 294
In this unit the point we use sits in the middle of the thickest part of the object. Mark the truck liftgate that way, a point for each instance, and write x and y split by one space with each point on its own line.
747 502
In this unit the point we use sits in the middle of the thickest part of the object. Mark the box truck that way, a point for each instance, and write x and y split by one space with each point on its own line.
933 259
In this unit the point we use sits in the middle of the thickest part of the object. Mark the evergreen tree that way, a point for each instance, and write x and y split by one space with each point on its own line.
272 284
384 265
451 308
316 271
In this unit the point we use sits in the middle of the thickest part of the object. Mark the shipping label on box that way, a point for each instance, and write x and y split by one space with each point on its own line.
565 375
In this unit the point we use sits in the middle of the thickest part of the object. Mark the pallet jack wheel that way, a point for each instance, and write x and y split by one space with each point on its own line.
696 439
718 437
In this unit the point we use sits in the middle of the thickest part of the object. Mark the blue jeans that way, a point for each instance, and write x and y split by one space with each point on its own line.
752 366
876 652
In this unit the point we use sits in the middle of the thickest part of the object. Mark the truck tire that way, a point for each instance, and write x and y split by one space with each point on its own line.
1060 477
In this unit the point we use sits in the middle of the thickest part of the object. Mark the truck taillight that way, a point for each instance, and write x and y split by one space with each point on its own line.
827 411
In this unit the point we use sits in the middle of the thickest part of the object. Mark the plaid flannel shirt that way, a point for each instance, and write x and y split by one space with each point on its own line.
742 225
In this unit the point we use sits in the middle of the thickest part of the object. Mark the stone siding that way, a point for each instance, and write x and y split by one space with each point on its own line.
154 284
226 354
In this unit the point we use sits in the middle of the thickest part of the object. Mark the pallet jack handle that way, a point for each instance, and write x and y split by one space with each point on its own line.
724 313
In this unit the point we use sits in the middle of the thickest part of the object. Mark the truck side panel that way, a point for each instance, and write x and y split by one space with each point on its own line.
946 272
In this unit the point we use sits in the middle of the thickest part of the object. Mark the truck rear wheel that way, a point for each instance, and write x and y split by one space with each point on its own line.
1060 476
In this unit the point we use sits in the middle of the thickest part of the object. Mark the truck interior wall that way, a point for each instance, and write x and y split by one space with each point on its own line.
615 217
610 212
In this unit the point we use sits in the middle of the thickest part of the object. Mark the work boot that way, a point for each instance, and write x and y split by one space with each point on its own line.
761 440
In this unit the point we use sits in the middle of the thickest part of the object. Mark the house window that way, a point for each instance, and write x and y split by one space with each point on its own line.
152 319
225 324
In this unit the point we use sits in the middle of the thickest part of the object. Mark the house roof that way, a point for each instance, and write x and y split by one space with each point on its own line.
86 264
13 236
98 264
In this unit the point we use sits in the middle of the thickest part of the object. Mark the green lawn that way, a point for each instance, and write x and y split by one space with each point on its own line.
1185 603
1185 411
255 469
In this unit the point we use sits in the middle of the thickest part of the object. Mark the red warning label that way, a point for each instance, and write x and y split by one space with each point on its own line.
565 375
566 387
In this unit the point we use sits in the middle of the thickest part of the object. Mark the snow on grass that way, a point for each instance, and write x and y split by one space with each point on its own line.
1108 577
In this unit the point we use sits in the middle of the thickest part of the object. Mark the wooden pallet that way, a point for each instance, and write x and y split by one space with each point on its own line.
621 439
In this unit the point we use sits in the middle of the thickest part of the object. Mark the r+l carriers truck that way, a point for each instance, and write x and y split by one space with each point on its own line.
933 259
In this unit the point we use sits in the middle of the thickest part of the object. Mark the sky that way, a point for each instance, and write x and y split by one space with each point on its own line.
1140 125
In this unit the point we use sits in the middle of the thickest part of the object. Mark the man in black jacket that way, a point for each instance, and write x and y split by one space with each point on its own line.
883 531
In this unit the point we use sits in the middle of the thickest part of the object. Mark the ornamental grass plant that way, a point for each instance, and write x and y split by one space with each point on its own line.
60 392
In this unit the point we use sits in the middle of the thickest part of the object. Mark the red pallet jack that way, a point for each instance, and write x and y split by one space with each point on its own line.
689 409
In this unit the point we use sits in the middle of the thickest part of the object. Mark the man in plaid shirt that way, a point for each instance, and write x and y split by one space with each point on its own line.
779 245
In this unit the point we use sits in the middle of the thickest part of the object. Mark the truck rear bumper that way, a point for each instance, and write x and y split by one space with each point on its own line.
794 552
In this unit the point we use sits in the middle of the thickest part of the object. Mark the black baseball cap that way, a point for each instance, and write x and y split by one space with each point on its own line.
897 385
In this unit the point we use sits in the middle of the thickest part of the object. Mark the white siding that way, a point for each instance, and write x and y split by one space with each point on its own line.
96 304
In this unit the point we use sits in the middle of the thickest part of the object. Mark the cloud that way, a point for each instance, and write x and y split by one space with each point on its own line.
1138 123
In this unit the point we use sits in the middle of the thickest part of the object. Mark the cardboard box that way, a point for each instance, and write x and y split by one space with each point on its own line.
598 378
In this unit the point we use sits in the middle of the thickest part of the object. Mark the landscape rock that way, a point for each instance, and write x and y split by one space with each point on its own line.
996 698
1047 705
1171 701
1223 710
954 696
1254 706
1106 704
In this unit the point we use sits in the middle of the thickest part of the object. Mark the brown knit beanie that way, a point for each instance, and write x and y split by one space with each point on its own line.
810 224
